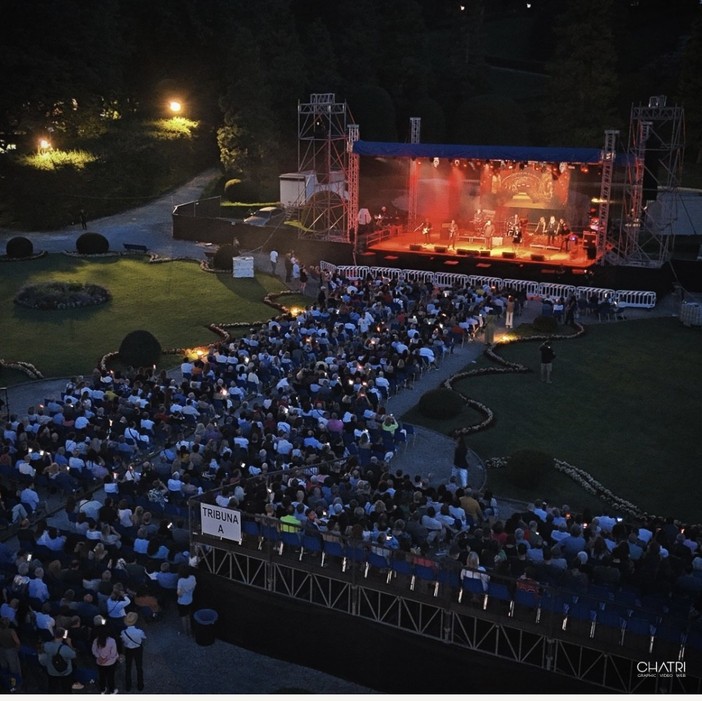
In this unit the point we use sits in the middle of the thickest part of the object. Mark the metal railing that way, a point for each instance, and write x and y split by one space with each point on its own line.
534 289
596 636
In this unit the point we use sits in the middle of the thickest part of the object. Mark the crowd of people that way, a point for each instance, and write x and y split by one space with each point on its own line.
288 421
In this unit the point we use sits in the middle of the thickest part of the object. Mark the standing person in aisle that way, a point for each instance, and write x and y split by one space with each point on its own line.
184 589
133 643
274 260
547 357
460 461
105 651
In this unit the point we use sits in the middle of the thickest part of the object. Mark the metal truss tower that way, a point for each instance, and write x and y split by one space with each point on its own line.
608 158
323 156
353 178
653 175
415 132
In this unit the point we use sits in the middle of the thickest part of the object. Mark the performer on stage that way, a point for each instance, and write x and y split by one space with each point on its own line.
551 229
563 231
382 218
453 233
426 229
489 232
540 227
514 229
478 220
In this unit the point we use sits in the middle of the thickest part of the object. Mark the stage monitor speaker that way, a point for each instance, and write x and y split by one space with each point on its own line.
539 257
461 251
484 254
415 247
439 249
473 252
589 238
509 254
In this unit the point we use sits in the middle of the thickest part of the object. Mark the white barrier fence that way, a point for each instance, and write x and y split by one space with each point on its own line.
534 290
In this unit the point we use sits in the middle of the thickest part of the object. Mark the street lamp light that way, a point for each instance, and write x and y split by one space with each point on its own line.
44 145
175 106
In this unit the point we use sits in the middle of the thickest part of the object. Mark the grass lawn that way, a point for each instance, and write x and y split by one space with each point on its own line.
625 405
174 301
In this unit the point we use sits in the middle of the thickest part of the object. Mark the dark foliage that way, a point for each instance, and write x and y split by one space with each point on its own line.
236 190
441 403
19 247
91 243
223 258
139 349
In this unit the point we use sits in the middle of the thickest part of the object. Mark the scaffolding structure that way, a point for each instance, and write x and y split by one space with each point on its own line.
608 158
550 641
654 168
354 172
415 134
323 153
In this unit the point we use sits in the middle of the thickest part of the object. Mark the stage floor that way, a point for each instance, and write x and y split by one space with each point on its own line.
536 250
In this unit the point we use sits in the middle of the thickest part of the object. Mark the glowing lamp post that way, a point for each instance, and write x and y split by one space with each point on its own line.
44 145
175 106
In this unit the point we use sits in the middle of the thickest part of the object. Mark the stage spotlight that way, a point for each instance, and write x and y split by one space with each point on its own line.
584 169
435 162
456 163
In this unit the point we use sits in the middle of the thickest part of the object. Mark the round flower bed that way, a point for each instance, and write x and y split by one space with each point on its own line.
61 295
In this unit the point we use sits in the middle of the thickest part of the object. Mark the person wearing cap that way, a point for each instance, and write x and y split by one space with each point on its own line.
133 641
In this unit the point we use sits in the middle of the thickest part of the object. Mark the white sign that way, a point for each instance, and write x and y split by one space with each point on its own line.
219 522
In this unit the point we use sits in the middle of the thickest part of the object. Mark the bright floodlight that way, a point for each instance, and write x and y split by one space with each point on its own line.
175 106
44 144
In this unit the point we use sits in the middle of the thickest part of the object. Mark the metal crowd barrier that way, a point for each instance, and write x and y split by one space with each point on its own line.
624 298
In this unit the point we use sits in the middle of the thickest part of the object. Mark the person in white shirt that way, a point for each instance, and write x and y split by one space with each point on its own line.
25 468
274 260
133 644
175 485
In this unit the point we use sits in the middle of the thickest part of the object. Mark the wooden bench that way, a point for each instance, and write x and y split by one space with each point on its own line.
136 247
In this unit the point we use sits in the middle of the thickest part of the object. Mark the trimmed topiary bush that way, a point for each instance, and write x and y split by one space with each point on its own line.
545 324
92 243
139 349
441 403
19 247
527 468
222 260
236 190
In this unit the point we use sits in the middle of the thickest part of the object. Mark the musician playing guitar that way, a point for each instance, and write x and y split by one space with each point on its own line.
514 229
426 229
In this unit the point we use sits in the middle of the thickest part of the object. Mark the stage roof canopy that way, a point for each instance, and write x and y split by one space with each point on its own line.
481 153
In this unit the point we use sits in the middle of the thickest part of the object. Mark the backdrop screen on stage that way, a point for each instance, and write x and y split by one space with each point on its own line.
524 185
454 189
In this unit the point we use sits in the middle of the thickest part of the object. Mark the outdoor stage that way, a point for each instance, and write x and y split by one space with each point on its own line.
391 245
